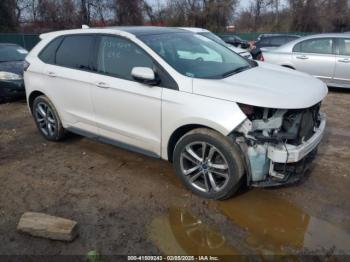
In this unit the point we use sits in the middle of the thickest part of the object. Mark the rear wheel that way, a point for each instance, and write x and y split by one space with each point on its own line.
47 119
208 163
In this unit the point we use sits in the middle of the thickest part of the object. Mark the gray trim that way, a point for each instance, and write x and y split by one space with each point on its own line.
113 142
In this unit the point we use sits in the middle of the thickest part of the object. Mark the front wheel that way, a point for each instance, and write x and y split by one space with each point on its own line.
208 163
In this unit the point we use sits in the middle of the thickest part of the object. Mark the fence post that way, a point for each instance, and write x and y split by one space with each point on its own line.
24 41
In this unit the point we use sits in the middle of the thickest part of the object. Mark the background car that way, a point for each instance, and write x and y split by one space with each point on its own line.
11 71
325 56
273 41
206 33
235 41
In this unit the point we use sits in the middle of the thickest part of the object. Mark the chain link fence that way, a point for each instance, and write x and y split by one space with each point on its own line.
28 41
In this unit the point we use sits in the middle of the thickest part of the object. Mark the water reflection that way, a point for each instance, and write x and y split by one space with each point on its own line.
272 226
182 233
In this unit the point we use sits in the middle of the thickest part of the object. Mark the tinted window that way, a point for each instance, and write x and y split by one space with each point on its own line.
118 56
344 47
316 46
291 38
49 52
12 53
264 41
277 41
74 52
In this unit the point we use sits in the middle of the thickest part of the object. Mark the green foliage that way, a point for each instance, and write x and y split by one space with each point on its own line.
93 256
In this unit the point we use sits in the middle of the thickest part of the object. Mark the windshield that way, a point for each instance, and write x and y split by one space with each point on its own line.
213 37
196 56
12 53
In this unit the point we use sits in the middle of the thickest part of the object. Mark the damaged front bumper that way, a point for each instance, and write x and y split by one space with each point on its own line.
292 153
271 164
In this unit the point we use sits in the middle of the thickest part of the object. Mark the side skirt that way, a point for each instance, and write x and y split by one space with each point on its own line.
112 142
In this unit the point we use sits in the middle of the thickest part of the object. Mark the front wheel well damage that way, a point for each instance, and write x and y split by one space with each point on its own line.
177 134
32 97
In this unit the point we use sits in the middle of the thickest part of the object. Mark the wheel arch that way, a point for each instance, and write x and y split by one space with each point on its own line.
31 98
177 134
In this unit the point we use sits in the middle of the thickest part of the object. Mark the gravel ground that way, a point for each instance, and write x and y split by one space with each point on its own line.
127 203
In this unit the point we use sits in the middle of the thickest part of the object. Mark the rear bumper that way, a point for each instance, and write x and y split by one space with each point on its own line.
13 88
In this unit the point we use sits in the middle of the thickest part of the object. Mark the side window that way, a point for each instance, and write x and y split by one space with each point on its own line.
118 56
315 46
277 41
74 52
47 55
264 41
344 46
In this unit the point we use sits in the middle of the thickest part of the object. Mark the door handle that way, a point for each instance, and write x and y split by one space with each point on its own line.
303 57
345 60
51 74
102 85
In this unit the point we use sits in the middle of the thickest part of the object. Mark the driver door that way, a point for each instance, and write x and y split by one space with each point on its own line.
128 113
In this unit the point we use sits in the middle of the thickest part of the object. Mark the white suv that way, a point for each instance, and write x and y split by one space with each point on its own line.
220 121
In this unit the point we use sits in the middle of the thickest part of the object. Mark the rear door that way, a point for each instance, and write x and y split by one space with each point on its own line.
69 76
342 66
316 57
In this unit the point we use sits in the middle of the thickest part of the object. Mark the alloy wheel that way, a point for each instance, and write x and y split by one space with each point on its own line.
204 166
45 119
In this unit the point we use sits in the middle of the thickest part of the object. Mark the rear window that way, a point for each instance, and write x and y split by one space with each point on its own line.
74 52
344 47
49 52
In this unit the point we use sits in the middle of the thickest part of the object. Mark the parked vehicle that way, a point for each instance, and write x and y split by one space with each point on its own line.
211 36
325 56
235 41
219 122
11 71
273 41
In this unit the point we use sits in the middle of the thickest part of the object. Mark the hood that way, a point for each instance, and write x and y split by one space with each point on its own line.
12 67
268 48
237 49
266 85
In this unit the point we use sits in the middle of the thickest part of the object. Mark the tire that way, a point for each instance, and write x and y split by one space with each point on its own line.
47 119
219 175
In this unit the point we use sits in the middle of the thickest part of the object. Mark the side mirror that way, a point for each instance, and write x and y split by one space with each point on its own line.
144 75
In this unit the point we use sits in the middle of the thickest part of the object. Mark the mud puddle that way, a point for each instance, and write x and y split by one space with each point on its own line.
271 226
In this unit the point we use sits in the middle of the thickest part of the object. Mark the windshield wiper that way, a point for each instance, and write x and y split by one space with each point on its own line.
235 71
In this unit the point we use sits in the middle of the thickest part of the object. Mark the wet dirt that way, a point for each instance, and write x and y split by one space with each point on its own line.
127 203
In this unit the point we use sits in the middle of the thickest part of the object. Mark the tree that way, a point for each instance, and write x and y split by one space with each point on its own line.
128 12
8 18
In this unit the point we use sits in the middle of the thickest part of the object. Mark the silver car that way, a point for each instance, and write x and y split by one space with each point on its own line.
325 56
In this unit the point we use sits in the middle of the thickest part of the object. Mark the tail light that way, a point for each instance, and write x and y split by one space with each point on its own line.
26 64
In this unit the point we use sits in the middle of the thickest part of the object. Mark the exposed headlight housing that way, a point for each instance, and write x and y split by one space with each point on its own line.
10 76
